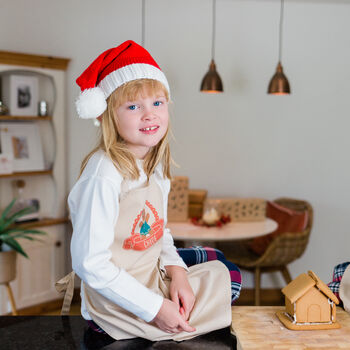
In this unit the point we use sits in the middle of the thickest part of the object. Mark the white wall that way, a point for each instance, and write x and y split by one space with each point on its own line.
240 143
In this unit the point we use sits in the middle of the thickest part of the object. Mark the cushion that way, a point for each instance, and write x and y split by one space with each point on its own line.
288 221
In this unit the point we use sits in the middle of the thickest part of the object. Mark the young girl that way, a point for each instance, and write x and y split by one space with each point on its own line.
134 283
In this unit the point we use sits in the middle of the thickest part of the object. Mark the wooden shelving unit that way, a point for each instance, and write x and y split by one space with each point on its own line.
48 258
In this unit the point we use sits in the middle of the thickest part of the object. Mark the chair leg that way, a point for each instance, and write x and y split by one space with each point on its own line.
286 275
12 299
257 286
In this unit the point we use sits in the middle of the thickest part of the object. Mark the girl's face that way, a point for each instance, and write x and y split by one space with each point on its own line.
143 123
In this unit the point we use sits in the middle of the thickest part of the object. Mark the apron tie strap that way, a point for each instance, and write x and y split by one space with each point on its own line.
66 284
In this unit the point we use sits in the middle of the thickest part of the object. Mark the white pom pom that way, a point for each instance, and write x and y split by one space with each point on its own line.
91 103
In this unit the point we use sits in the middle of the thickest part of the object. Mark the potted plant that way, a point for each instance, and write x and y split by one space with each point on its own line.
9 246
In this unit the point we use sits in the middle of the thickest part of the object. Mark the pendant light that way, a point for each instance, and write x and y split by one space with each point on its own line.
279 84
211 82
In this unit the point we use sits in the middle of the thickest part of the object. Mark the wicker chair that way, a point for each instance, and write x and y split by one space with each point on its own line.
283 249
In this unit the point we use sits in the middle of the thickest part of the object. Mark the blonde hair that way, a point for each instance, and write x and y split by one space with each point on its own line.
113 144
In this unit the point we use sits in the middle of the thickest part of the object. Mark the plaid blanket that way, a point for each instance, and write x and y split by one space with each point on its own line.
338 273
197 255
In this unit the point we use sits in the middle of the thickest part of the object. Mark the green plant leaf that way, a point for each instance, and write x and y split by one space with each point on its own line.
6 211
17 233
25 237
10 232
15 246
22 212
29 237
26 231
11 220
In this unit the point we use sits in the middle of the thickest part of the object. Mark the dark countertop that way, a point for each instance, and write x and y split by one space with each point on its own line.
71 332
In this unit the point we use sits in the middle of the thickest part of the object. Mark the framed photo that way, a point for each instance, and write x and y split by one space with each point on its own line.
22 141
20 94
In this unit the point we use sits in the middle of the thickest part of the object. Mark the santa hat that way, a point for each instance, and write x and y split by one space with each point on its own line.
113 68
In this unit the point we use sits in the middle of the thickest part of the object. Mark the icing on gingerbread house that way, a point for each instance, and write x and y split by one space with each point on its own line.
310 304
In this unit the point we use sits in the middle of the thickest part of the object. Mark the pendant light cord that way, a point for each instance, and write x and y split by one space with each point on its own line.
213 33
280 36
143 23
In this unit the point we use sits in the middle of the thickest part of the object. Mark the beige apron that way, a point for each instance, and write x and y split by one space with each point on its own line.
136 248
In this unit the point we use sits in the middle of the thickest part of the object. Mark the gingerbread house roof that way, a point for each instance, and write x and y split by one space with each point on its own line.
299 286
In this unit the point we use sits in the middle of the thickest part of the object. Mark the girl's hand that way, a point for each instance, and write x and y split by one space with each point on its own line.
169 319
181 292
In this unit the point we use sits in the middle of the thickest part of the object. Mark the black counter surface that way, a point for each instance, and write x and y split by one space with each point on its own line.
71 332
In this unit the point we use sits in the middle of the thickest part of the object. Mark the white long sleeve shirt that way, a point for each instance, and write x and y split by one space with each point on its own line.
94 207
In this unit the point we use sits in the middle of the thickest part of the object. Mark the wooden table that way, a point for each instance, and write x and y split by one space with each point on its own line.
257 327
193 234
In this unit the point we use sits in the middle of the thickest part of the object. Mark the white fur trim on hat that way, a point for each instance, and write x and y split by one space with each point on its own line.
91 103
131 72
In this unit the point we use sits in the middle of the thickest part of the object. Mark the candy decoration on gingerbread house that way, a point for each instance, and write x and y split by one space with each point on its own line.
310 304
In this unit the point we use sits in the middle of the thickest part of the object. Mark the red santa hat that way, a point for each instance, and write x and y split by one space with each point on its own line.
113 68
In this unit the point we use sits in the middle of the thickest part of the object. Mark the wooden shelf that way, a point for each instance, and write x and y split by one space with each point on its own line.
15 117
28 173
44 222
29 60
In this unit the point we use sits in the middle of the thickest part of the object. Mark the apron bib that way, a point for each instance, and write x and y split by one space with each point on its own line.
136 248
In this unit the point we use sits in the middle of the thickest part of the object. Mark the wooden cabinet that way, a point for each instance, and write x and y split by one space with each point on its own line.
37 275
47 259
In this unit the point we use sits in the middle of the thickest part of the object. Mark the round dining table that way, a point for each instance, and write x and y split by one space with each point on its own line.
193 234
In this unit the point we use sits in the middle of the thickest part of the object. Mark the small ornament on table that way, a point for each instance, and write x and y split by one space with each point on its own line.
211 218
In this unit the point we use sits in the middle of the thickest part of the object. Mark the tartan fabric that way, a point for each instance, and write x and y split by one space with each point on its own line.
95 327
197 255
338 273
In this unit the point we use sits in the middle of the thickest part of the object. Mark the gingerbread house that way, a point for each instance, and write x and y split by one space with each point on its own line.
310 304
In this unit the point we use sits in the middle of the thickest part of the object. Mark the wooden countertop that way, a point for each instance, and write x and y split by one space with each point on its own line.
257 327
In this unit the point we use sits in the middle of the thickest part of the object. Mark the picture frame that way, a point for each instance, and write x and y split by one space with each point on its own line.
23 143
20 94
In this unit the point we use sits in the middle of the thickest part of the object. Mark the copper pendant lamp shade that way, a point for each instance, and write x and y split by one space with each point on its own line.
211 82
279 84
